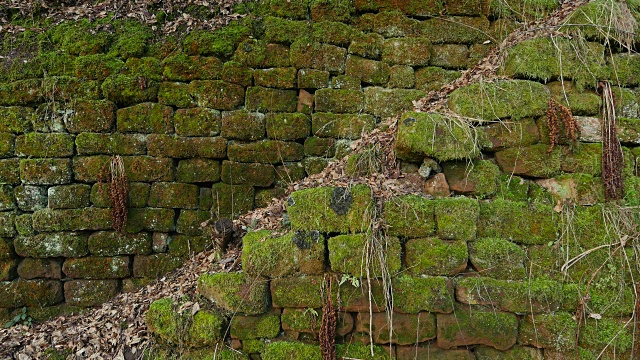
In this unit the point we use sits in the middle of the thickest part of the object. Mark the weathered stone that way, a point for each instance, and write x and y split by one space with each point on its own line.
36 293
127 90
582 189
409 216
156 265
187 245
288 173
431 352
345 126
291 350
181 67
8 269
6 198
401 77
146 118
7 228
297 292
232 200
516 99
243 125
280 78
44 145
313 79
197 122
135 284
216 94
235 292
69 196
93 267
236 73
390 24
150 219
173 195
477 326
416 294
316 146
346 256
89 292
271 100
72 219
6 249
189 223
437 186
407 51
259 54
304 321
30 268
407 329
308 209
110 144
585 102
7 145
368 71
433 78
16 119
339 10
146 67
367 46
478 178
529 296
520 222
456 218
497 258
175 94
52 245
50 117
509 134
24 224
456 30
30 198
255 327
308 54
255 174
220 42
21 92
10 171
287 126
314 165
265 151
161 145
531 161
449 56
198 170
550 331
45 171
389 102
411 7
432 256
432 135
111 243
97 66
264 197
138 195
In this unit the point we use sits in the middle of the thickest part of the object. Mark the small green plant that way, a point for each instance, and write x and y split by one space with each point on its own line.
21 318
311 311
352 279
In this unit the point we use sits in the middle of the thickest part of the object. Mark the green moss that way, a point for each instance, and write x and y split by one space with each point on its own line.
128 90
45 171
480 178
21 92
456 30
367 45
311 54
314 165
234 72
173 195
279 30
594 20
545 59
412 51
145 118
632 190
473 325
283 350
531 10
516 99
433 78
384 103
410 7
345 126
497 258
332 10
456 218
181 67
44 145
97 67
550 331
316 146
518 221
271 100
235 292
368 71
243 125
297 292
175 94
450 56
232 200
132 39
80 37
93 116
299 252
255 327
16 119
415 294
432 256
265 151
391 24
580 102
410 216
532 161
415 137
361 351
221 42
334 33
111 243
282 78
348 254
329 209
66 88
205 329
288 126
161 220
259 54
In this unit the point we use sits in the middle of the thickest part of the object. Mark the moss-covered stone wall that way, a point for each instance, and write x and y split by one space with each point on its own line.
214 124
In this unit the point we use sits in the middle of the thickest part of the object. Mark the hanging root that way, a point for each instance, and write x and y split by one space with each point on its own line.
612 158
329 321
118 193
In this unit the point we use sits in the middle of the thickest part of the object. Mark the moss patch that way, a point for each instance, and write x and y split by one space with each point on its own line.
432 256
235 292
497 258
347 255
456 218
415 294
518 221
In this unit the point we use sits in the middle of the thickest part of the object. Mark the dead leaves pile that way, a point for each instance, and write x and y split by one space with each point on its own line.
64 10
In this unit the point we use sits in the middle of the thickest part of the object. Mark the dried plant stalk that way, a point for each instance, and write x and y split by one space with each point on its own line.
555 112
328 325
612 157
118 193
